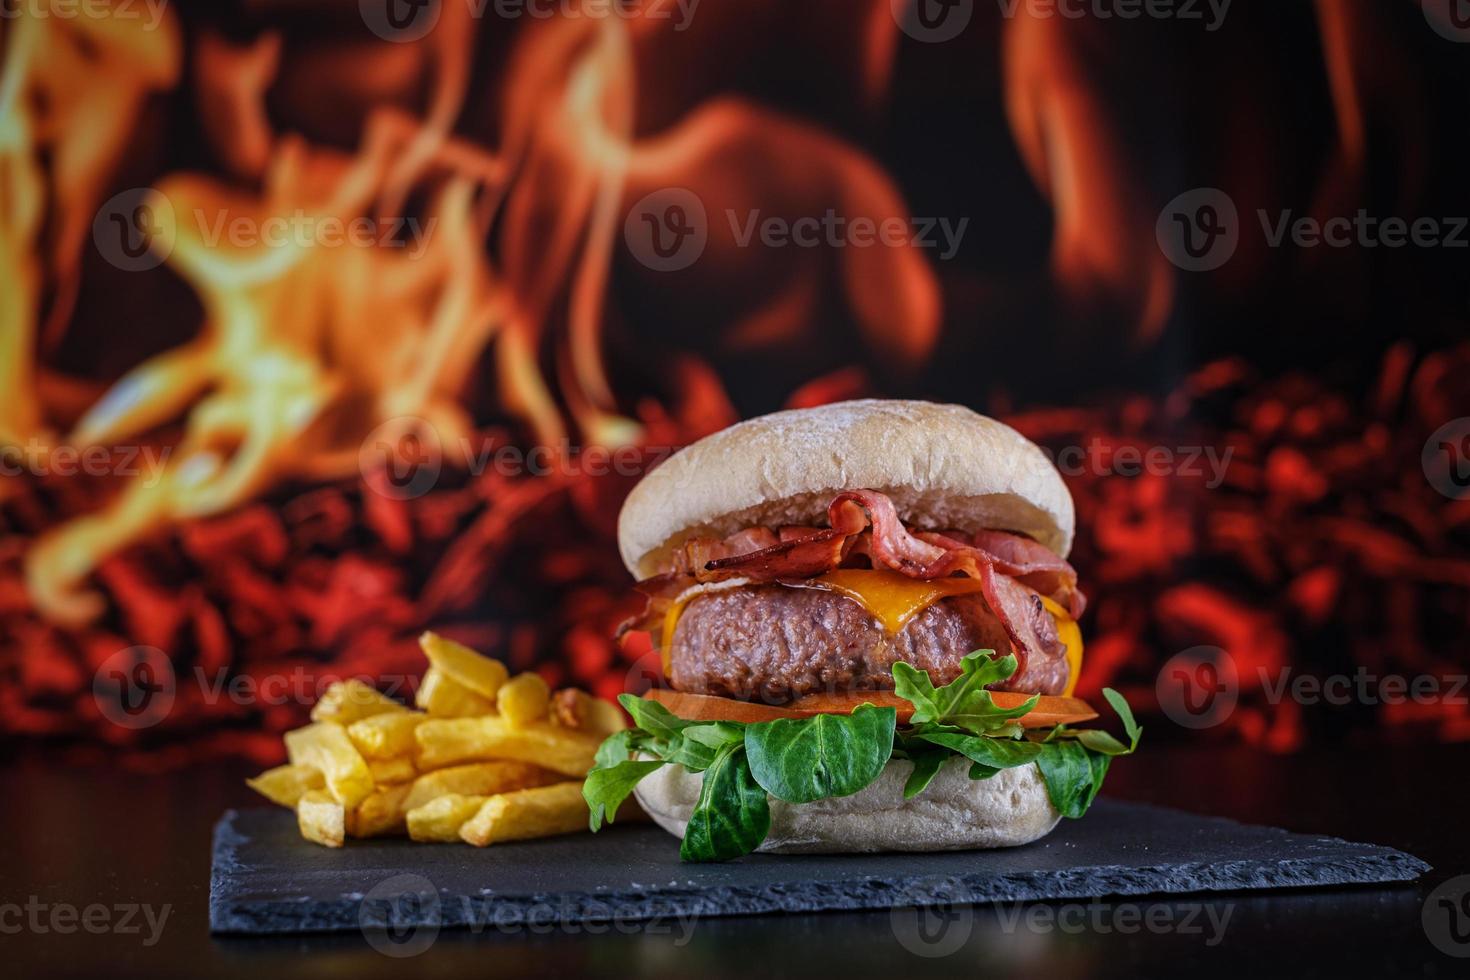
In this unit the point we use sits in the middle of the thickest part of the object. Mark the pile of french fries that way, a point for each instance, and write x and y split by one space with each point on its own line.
485 758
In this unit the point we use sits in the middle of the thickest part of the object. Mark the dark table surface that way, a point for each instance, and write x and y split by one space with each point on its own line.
88 845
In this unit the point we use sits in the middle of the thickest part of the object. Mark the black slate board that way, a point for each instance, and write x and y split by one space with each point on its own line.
266 879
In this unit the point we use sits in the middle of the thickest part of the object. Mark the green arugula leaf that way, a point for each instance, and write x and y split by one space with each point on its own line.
1099 764
804 759
732 815
605 789
1120 705
963 702
1071 779
696 747
915 687
927 760
653 717
994 753
616 748
1100 741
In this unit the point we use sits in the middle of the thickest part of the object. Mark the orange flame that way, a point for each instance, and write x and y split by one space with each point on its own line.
305 350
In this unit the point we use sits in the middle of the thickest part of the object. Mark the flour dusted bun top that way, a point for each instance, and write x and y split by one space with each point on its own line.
944 467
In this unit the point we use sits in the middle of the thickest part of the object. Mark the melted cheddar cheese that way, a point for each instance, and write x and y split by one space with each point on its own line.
1071 637
894 600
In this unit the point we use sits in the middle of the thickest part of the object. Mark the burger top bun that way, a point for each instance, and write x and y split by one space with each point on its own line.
944 467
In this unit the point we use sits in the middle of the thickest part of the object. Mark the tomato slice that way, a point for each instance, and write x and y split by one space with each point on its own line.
1050 710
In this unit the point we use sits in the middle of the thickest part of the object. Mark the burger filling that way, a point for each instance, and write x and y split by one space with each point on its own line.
774 644
774 614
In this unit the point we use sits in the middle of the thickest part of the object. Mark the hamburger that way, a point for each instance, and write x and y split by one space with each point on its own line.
867 629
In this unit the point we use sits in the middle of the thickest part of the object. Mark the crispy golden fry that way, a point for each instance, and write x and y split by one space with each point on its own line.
385 736
578 709
478 779
464 666
444 697
387 772
444 742
522 699
321 818
352 700
325 746
380 814
440 819
286 785
528 813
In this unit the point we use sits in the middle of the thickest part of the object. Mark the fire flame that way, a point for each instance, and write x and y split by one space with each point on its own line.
304 350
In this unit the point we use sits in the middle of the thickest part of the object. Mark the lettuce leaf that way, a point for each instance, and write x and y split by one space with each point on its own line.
800 760
732 815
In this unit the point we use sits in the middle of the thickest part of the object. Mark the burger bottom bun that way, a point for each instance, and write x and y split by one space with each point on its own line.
953 813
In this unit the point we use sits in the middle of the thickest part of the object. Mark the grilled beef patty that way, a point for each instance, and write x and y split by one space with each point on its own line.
775 643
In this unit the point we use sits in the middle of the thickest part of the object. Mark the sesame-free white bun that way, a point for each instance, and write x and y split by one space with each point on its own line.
944 467
953 813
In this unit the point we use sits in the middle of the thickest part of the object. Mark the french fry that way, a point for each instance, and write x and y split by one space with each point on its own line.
526 814
380 814
321 818
286 785
385 736
386 772
444 697
444 742
347 701
464 666
440 818
325 746
578 709
522 699
477 779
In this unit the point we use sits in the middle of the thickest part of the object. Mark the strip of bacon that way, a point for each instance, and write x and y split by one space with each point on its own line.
1012 570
